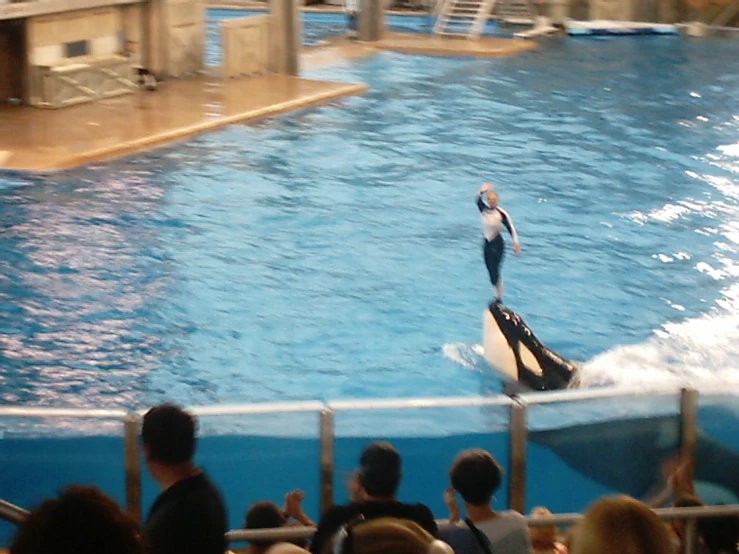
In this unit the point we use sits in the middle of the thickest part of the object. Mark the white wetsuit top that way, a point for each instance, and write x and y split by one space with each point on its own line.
493 219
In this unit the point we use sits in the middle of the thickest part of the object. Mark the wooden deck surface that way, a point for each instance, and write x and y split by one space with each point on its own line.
36 139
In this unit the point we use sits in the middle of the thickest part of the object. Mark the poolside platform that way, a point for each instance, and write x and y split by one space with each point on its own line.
35 139
417 43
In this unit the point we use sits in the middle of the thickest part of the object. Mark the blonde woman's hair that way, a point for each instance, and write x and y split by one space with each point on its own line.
543 534
620 525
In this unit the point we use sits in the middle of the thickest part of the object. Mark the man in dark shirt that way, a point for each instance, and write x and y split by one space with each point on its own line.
377 483
189 516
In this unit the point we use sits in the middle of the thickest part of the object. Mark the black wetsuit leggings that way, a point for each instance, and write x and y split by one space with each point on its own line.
493 251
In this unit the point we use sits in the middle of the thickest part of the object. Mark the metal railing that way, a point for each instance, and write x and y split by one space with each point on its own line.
15 514
690 514
518 428
11 512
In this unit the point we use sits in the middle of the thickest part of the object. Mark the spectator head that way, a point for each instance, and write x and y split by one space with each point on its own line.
543 535
168 433
264 515
475 475
82 520
620 525
388 536
380 470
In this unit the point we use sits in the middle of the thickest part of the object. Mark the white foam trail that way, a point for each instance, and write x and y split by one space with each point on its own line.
698 352
467 355
695 352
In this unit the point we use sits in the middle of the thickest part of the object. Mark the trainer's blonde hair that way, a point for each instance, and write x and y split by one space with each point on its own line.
620 525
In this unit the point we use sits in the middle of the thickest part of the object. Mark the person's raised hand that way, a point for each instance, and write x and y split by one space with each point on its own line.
293 506
450 499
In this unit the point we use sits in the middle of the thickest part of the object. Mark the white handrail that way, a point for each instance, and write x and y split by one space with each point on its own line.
300 533
529 398
435 402
33 411
11 512
260 408
438 7
548 397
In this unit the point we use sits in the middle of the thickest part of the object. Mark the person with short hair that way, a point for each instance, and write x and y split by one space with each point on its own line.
263 515
373 491
82 520
268 515
189 516
620 524
475 475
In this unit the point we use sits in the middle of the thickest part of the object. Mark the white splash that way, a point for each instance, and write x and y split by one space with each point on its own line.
695 352
467 355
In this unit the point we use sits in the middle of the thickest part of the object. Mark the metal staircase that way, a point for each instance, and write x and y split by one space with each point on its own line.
520 12
463 17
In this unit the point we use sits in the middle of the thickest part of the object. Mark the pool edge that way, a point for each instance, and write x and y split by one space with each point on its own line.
152 114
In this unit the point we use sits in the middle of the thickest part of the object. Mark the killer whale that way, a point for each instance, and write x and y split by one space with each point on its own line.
635 446
625 453
511 348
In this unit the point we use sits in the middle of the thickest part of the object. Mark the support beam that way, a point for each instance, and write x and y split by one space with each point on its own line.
133 466
371 20
326 483
285 36
518 439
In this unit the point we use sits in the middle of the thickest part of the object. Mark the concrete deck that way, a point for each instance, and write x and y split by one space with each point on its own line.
417 43
36 139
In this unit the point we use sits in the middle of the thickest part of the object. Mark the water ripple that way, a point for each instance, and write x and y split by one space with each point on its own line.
335 252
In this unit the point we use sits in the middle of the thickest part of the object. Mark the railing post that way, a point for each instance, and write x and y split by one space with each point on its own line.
518 437
688 429
133 465
327 460
690 536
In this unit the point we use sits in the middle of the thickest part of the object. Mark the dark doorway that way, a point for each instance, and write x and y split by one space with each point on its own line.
12 59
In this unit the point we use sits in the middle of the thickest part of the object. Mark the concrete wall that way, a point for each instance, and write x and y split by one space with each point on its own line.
246 45
47 35
176 37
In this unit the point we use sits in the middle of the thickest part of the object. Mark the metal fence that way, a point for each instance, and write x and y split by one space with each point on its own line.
518 428
14 514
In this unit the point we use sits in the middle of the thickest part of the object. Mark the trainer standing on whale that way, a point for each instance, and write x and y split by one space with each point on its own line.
493 219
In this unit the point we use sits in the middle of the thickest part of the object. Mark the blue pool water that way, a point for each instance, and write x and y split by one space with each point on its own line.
335 253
